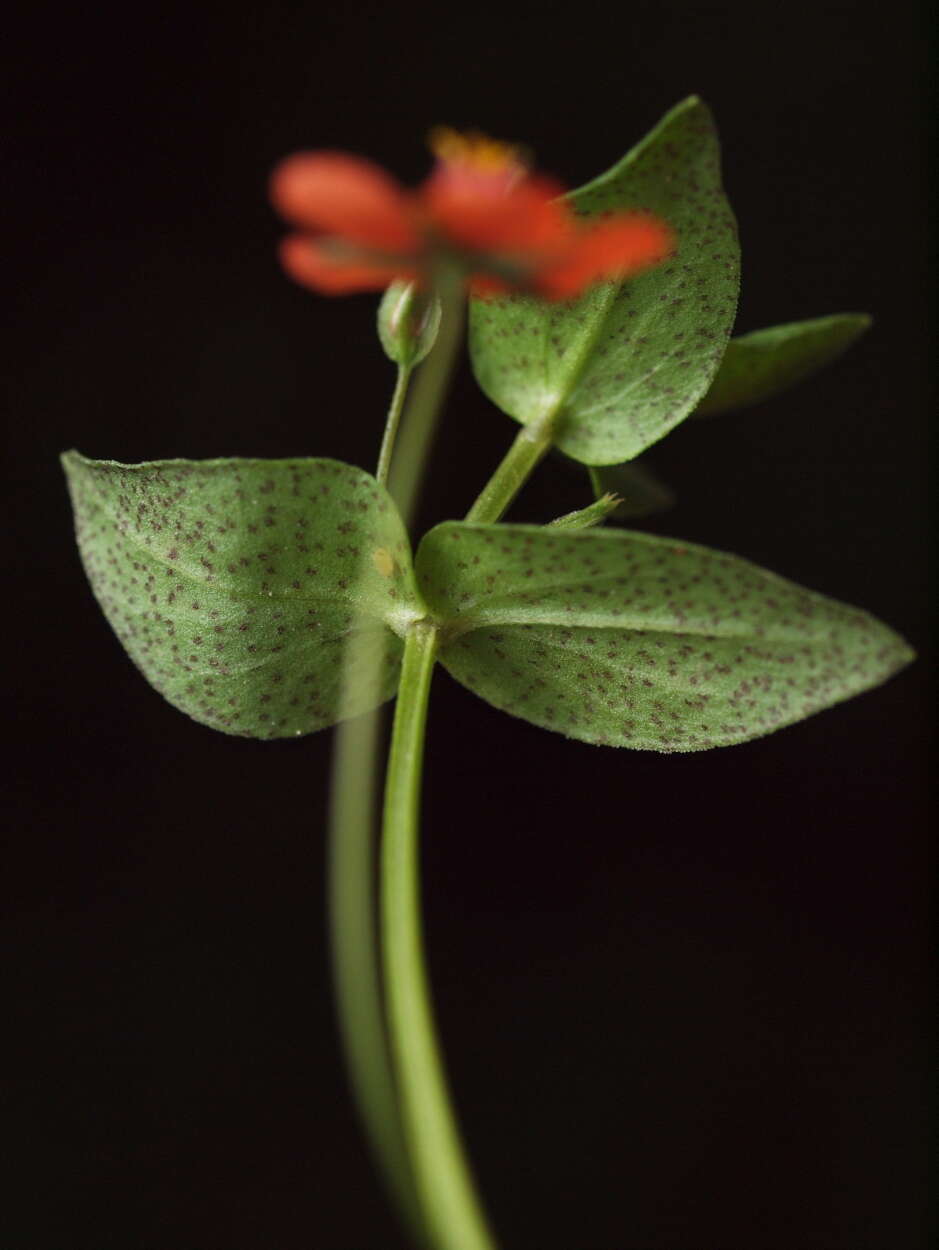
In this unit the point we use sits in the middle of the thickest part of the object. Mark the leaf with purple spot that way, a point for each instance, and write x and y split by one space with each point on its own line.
615 370
625 639
235 586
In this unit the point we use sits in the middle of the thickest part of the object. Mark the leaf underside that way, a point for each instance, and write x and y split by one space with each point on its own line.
765 363
624 364
235 585
624 639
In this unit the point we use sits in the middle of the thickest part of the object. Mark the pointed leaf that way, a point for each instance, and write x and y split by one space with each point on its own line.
630 640
641 493
585 518
621 366
234 584
764 363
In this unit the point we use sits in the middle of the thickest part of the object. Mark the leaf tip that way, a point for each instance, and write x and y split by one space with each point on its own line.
861 322
690 104
905 654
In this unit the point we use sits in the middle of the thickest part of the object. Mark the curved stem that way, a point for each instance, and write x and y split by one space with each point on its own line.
445 1188
356 969
531 443
353 928
392 421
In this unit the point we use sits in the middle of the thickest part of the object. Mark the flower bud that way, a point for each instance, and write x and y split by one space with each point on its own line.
408 320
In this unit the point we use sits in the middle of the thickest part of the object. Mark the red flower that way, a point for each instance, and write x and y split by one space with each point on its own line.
507 228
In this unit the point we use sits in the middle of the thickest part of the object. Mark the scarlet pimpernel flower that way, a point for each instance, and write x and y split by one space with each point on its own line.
480 208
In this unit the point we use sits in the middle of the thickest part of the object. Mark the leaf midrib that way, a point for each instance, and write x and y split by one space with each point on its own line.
587 341
469 622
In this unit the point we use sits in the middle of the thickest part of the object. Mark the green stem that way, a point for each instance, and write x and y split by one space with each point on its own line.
354 942
445 1188
534 439
392 421
424 406
531 443
353 929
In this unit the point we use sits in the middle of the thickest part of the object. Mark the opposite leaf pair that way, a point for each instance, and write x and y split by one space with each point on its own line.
235 586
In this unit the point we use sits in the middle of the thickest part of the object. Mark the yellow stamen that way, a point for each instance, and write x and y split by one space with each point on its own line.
488 156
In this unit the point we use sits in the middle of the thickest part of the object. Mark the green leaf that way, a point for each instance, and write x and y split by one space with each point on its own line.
629 640
640 492
585 518
764 363
618 368
234 584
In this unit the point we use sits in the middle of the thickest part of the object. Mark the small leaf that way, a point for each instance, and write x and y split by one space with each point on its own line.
764 363
585 518
620 367
640 492
234 584
629 640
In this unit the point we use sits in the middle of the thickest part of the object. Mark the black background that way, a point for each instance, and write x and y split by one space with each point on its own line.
682 997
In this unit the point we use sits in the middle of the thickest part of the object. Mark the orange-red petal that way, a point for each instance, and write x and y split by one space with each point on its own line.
482 212
617 248
487 286
345 196
311 263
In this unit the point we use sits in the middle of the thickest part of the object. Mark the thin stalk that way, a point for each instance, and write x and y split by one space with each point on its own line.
454 1217
531 443
352 866
422 410
356 967
392 421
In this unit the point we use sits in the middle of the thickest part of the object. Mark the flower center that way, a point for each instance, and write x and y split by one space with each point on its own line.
476 154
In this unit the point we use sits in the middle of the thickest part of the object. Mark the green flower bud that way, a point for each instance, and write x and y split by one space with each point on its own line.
408 320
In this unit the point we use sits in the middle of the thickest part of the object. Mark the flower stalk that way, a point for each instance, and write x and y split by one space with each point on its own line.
442 1177
355 960
360 994
392 422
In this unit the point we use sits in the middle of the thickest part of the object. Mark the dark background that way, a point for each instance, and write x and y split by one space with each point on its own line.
682 997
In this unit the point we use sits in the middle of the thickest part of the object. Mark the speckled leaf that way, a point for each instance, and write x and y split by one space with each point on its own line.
641 493
630 640
764 363
234 584
621 366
